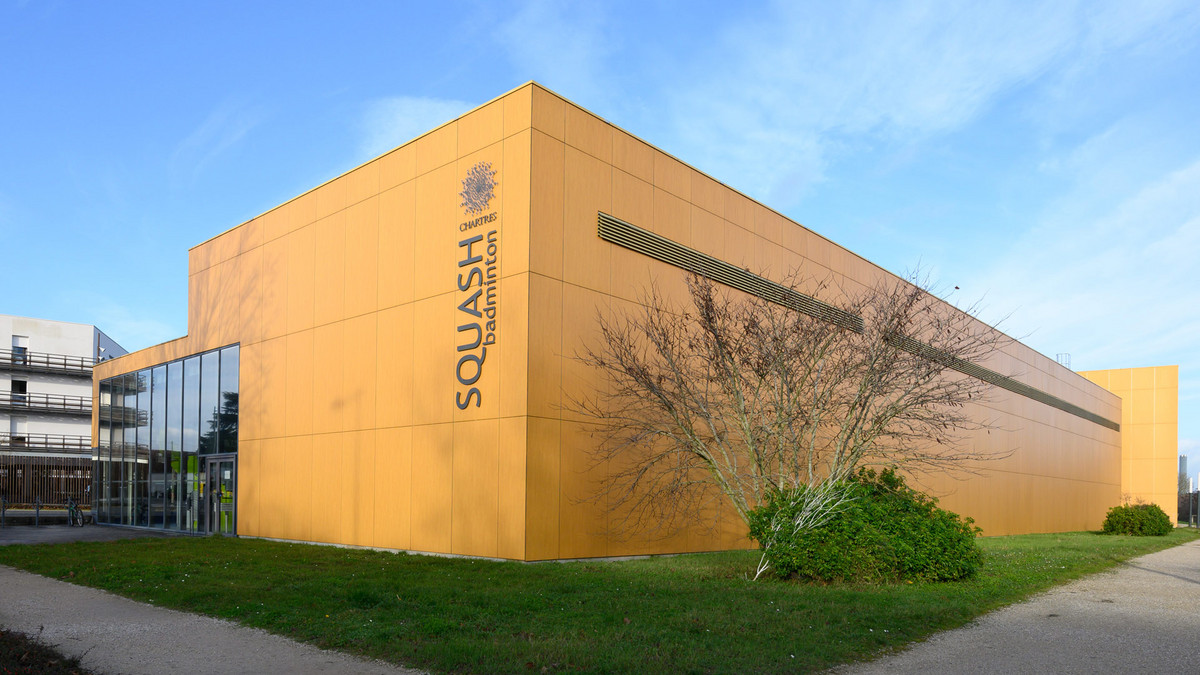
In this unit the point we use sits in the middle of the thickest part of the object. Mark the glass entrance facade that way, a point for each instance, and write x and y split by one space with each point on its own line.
157 428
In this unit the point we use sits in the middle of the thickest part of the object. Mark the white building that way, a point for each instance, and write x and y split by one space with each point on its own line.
46 406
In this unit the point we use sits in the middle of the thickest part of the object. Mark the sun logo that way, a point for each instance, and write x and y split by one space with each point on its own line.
478 188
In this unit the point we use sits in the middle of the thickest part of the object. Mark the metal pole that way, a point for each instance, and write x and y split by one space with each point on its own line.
3 508
37 512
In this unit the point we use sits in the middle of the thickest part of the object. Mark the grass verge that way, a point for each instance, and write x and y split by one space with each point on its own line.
684 614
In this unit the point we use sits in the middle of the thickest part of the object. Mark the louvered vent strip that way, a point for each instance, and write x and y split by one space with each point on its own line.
634 238
992 377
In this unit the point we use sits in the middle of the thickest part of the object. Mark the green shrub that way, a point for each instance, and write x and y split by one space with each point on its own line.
888 532
1139 520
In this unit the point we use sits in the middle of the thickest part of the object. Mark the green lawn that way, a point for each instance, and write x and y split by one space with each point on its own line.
684 614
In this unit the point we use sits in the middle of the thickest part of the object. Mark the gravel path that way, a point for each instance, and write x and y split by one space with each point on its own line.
113 635
1142 617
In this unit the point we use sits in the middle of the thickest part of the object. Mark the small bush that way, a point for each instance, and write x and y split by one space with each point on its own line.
1139 520
889 532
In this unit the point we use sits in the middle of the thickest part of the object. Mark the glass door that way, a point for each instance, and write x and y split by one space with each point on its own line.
222 485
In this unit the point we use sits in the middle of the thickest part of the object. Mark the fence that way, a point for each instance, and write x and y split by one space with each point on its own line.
24 480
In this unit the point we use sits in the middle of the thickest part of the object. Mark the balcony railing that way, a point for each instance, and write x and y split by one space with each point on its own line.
40 362
116 414
46 403
57 443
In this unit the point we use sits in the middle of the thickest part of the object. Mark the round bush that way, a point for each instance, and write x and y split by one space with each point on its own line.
1139 520
889 532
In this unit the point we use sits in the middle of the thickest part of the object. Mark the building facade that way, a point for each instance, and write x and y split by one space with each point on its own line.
1149 431
406 336
46 406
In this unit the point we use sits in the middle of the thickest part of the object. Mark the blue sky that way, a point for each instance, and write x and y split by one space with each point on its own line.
1043 157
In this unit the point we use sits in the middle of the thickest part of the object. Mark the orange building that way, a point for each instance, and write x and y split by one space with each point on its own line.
1149 431
395 349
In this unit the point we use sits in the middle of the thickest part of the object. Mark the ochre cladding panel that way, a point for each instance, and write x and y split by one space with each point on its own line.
347 304
1149 431
1060 473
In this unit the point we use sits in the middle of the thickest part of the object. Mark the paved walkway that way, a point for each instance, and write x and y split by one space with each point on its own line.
1143 617
112 635
62 533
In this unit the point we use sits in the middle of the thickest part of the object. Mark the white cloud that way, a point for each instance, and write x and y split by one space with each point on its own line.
809 82
1108 272
815 83
1123 24
563 46
393 121
220 131
1119 287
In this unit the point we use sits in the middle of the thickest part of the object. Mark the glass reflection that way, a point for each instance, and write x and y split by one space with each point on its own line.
155 427
141 462
191 404
100 459
228 419
111 490
158 434
129 450
174 444
193 489
210 402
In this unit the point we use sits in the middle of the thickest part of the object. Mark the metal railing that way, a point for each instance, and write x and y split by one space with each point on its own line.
121 447
51 403
63 443
123 415
48 482
41 362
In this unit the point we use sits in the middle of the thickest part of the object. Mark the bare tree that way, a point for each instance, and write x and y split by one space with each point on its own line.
736 397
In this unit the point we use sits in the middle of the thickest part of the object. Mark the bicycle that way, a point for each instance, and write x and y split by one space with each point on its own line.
74 514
